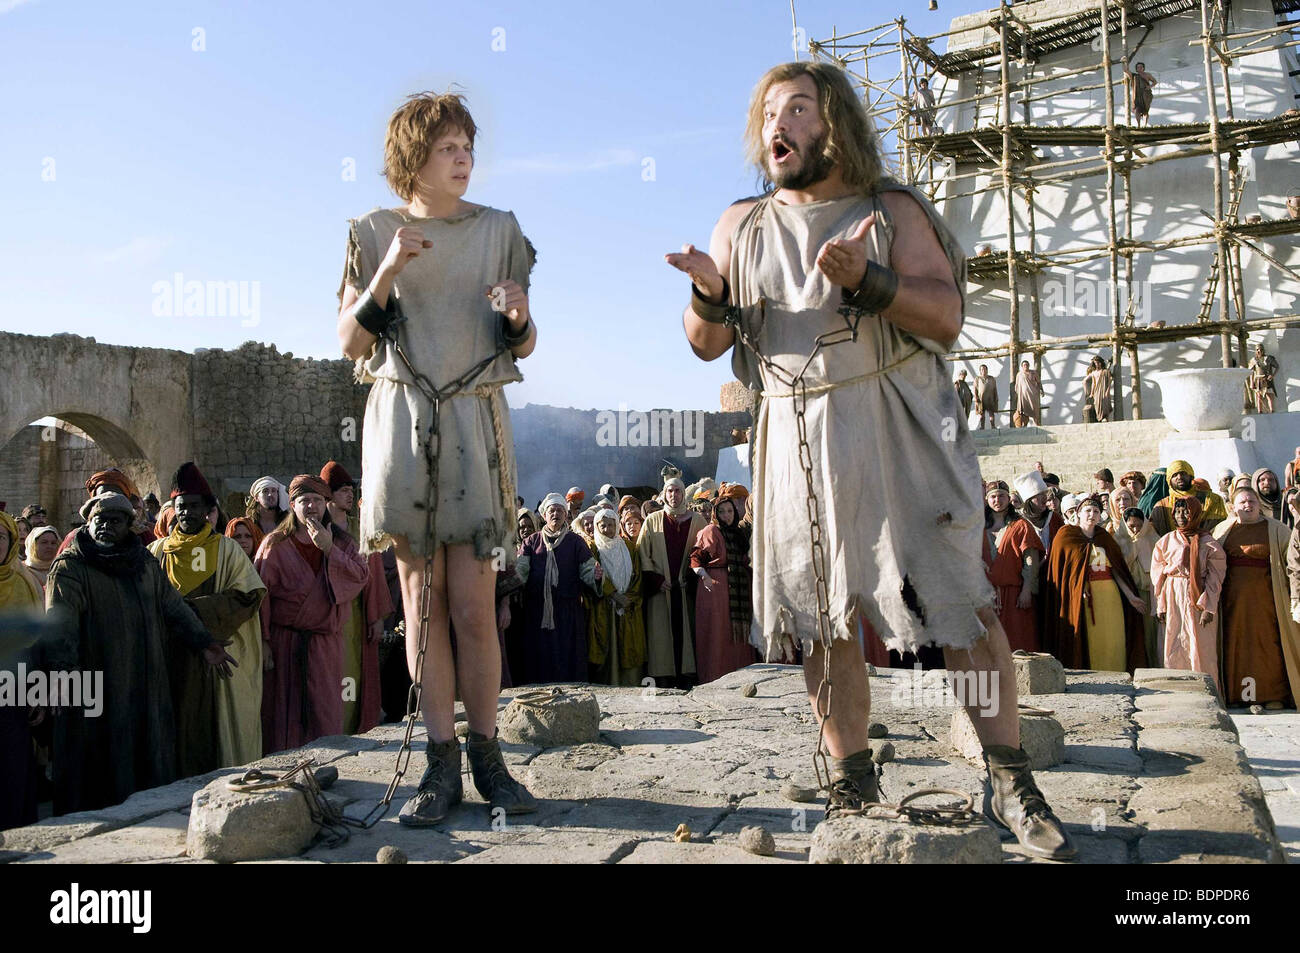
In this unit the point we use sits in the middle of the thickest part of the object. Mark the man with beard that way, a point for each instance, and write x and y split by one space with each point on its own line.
1029 392
1270 493
218 721
833 245
116 613
1036 496
363 626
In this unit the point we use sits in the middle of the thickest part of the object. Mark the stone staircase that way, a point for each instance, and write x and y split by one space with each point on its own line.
1072 451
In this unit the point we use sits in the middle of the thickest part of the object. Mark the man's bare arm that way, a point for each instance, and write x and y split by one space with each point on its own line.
927 303
710 341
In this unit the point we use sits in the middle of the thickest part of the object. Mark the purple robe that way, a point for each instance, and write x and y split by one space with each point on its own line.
559 654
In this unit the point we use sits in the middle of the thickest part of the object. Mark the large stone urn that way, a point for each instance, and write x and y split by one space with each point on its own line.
1203 398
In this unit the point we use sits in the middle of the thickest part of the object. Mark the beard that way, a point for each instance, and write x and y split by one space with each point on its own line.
814 166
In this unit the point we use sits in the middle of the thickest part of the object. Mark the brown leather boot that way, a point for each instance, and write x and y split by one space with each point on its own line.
440 789
853 783
1013 800
492 777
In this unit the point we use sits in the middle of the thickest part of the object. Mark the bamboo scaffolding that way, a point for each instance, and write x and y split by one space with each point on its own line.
1002 54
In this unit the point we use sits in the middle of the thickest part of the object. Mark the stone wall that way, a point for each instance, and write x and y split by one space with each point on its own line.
19 484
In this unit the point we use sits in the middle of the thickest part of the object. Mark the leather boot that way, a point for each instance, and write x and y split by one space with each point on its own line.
440 788
853 783
1013 800
492 778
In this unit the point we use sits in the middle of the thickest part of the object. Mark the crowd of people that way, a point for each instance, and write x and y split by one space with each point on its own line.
1160 570
222 639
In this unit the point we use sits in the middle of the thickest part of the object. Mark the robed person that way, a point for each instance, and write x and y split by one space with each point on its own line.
1014 553
615 625
115 612
1187 571
218 720
1094 611
667 537
312 572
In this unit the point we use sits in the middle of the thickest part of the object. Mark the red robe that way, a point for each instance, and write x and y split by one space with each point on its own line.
717 653
1004 572
302 632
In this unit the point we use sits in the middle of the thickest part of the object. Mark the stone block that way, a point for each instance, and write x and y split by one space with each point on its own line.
230 826
1041 736
1038 673
869 840
552 717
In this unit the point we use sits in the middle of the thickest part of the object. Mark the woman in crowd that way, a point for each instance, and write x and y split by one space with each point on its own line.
629 519
616 630
19 593
1260 644
1094 605
1187 570
42 545
723 604
1014 553
245 531
1137 540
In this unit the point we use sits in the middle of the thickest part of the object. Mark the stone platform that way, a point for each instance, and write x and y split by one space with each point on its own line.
1153 773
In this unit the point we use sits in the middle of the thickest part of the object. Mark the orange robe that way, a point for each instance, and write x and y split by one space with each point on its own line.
1016 540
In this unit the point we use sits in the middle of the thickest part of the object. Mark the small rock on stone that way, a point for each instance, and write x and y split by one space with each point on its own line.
388 854
877 730
884 754
800 795
871 670
682 834
756 840
749 690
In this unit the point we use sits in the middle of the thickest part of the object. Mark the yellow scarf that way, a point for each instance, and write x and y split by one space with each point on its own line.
189 560
17 589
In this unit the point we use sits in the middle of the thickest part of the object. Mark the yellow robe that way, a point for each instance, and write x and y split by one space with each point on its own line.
652 547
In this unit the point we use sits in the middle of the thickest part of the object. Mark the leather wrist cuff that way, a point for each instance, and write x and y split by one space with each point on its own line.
708 311
513 338
877 291
371 316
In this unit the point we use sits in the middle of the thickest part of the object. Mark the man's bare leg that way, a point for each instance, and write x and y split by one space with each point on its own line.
438 689
471 584
846 731
1013 798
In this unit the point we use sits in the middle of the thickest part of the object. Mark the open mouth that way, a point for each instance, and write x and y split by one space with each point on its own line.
781 151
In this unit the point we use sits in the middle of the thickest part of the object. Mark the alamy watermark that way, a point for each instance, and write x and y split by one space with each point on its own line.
653 428
180 298
37 688
938 688
1090 297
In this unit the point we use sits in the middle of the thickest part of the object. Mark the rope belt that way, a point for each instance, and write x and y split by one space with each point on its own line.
835 385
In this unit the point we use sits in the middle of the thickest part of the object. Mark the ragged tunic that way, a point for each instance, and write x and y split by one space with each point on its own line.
895 469
450 327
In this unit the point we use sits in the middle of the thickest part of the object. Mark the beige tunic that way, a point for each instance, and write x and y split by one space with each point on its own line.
652 550
896 473
450 326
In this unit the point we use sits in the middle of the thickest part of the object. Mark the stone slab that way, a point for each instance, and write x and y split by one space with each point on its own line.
866 840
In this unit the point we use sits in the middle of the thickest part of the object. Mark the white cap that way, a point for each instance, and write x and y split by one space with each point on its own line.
1029 484
1070 502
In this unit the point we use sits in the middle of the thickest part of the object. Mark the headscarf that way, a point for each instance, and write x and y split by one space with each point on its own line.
680 510
575 493
18 589
614 555
1274 503
520 514
166 519
252 528
1192 533
1139 546
1175 468
1215 508
551 575
1157 489
552 499
1113 505
114 478
31 562
1135 475
739 575
262 483
308 483
734 492
626 501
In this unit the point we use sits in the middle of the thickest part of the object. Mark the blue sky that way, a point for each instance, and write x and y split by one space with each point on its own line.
130 157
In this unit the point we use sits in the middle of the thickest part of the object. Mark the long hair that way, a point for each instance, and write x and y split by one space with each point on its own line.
290 525
851 140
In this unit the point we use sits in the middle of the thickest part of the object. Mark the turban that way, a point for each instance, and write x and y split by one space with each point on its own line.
552 499
189 479
114 478
734 492
1070 502
627 501
674 481
334 475
306 483
606 513
1029 485
575 494
703 494
610 491
1179 466
1137 475
107 502
262 483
